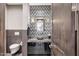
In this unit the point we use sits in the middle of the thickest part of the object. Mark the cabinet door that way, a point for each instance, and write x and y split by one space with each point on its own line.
63 35
2 18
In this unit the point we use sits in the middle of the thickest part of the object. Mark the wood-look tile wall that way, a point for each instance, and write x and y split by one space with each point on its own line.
63 28
24 40
2 27
78 35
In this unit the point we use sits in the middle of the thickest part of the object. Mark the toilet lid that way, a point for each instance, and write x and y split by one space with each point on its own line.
14 46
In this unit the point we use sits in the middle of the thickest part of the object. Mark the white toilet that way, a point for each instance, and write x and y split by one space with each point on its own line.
14 47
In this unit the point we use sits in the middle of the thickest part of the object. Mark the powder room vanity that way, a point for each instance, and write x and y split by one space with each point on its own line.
40 30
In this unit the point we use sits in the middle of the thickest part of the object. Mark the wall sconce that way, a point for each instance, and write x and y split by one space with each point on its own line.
32 20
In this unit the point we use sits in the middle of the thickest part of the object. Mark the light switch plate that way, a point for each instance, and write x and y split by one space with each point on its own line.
16 33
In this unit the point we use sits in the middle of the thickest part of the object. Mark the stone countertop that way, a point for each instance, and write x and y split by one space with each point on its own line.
36 40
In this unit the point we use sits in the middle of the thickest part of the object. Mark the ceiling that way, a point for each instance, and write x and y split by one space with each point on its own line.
74 7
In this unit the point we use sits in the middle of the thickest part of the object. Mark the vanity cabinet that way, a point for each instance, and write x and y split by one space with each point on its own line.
38 49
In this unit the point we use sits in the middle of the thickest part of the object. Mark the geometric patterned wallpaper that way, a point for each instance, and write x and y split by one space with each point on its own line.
40 11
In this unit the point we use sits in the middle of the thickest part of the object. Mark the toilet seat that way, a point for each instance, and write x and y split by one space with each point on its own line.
14 46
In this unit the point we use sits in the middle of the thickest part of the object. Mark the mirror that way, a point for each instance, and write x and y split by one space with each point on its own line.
40 25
